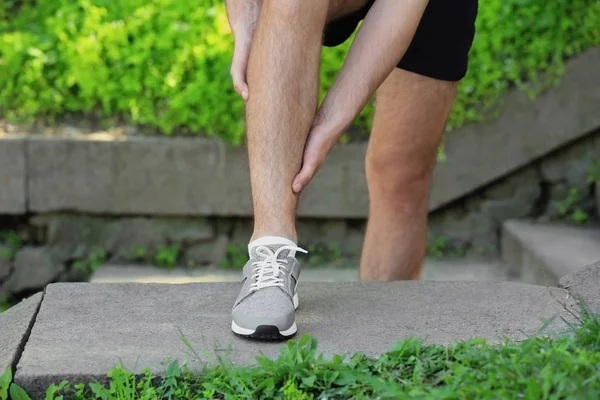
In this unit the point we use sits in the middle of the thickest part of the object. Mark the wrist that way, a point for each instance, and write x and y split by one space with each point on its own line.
330 121
340 108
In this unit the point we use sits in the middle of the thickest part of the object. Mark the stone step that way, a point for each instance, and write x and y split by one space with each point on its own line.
541 253
15 324
83 330
597 189
434 269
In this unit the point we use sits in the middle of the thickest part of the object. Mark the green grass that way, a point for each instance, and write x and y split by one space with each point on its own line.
324 254
440 246
12 242
88 265
536 368
167 256
5 304
575 208
236 257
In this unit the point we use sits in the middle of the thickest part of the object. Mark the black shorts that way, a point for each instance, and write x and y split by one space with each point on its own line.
440 47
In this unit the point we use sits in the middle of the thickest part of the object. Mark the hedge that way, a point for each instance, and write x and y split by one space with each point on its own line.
165 64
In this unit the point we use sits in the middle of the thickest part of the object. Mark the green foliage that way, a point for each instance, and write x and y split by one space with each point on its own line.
594 173
236 258
321 254
576 207
167 256
139 253
535 368
516 41
13 243
88 265
165 64
439 246
6 302
570 207
5 380
579 216
17 393
7 387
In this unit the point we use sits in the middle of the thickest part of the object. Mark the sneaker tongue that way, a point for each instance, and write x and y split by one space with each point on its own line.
273 243
252 251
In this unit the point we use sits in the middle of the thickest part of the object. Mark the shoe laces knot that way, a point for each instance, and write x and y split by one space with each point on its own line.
267 270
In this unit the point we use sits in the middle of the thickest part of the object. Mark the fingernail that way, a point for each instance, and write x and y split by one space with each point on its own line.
245 94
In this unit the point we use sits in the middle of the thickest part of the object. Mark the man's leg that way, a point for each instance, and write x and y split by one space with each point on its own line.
283 76
410 115
283 79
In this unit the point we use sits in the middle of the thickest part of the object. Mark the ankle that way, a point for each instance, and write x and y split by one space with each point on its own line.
287 234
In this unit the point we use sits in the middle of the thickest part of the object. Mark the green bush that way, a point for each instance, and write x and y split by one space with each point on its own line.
162 63
165 63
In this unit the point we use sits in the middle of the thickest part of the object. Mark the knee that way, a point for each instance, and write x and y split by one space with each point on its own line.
292 10
394 178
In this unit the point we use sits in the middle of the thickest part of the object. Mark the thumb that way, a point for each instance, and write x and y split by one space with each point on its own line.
239 65
308 170
316 148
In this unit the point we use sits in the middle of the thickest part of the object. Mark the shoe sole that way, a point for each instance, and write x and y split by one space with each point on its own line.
267 332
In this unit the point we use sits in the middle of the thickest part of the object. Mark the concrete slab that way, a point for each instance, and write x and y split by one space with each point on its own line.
83 329
434 269
544 253
15 324
13 196
585 284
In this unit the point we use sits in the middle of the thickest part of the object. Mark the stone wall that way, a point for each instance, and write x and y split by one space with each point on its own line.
71 203
49 247
559 187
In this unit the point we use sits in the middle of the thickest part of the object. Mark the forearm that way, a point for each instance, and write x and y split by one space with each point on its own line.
381 42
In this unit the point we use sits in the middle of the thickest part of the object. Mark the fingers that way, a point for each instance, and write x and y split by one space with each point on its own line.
317 147
239 65
309 168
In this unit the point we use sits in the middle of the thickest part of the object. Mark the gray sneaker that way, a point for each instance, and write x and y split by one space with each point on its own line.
266 305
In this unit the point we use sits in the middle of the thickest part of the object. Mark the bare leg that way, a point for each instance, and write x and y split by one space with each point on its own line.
283 80
283 76
410 115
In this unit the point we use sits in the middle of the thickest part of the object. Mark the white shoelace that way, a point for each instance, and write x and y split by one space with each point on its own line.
267 270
